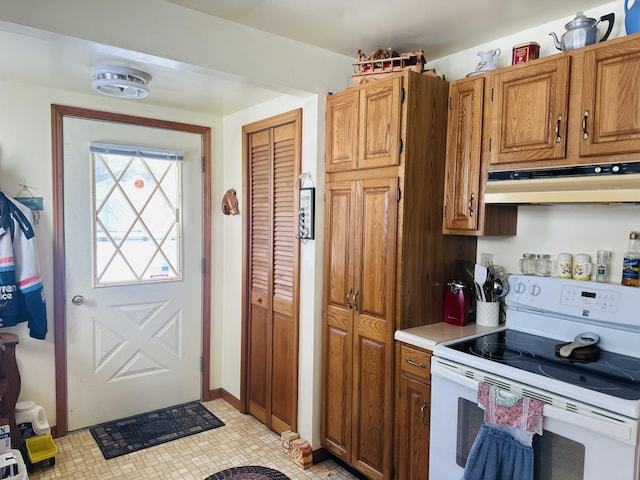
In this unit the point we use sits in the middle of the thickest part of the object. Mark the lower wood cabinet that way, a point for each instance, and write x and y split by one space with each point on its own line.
412 410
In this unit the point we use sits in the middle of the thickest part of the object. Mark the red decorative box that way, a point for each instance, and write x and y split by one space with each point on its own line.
525 52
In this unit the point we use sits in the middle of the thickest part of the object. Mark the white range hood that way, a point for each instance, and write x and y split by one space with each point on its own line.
610 183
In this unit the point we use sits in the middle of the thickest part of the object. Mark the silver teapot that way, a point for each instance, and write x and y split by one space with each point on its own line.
582 31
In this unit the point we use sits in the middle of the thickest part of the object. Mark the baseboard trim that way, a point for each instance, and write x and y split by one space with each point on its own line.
226 396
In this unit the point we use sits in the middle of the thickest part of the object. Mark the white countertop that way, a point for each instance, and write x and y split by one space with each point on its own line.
427 336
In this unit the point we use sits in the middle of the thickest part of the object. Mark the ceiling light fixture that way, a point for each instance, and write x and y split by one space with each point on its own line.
122 82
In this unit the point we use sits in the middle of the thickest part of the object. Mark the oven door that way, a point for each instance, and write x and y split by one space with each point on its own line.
581 444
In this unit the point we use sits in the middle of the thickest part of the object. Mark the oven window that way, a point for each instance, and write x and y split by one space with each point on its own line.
555 457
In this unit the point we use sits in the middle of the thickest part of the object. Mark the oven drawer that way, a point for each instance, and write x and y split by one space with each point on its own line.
415 361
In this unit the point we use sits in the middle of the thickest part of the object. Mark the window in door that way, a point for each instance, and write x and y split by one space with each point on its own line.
137 214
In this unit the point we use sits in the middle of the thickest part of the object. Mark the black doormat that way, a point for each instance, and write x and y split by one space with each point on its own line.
131 434
248 473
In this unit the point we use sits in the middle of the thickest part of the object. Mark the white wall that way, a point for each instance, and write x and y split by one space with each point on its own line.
230 256
25 155
553 229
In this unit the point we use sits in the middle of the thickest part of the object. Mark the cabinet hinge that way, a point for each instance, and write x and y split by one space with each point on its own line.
489 143
398 195
402 95
203 266
492 94
202 165
450 101
201 364
444 211
400 146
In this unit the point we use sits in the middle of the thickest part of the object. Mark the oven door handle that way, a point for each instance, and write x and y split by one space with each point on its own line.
610 427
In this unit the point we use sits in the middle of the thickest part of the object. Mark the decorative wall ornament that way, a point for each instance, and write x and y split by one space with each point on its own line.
230 203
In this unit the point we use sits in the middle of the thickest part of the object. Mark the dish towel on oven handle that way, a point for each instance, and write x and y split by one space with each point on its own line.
502 450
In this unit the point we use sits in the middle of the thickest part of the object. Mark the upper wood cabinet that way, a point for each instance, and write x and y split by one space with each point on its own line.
530 107
363 127
610 123
572 108
464 210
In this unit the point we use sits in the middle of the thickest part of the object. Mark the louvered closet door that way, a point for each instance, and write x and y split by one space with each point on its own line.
274 161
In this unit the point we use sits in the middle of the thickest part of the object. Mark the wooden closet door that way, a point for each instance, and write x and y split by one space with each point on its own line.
271 323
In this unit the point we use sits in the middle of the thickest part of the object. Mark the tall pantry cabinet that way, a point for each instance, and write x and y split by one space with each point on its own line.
386 261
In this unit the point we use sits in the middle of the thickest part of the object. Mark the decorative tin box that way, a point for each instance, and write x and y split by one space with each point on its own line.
525 52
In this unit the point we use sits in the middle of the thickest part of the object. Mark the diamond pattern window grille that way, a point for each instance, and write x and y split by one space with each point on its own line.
137 219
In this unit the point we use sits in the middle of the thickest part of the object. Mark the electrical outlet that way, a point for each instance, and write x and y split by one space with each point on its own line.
486 259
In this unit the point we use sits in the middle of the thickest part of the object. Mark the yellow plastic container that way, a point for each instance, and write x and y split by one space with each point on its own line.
41 448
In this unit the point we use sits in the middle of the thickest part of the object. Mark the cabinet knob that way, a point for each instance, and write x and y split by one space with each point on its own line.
349 298
355 299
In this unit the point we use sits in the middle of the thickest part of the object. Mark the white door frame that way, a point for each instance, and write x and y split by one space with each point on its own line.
58 112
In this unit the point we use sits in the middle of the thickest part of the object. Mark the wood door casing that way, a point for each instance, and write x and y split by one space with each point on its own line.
271 265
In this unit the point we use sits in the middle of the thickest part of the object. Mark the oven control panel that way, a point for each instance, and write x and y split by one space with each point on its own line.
590 298
604 302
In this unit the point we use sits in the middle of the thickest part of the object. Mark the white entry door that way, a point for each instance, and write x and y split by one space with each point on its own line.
133 276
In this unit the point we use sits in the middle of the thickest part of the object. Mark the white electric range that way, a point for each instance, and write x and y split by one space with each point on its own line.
592 400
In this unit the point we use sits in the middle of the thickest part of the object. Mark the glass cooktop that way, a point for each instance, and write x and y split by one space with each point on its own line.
606 372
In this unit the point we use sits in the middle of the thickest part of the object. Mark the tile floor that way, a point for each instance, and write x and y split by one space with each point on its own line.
242 441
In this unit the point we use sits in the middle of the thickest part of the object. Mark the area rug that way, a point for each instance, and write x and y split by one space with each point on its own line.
130 434
248 473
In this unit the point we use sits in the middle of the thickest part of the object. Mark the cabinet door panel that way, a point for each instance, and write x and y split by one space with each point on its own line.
530 107
337 391
371 410
342 131
375 240
611 100
374 273
464 149
339 245
380 107
337 346
258 366
415 400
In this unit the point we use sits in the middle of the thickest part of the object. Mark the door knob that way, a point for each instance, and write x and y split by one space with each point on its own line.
77 300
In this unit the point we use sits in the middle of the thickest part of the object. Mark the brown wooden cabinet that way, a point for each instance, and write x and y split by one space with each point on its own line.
575 107
609 120
363 127
386 260
464 210
413 406
530 108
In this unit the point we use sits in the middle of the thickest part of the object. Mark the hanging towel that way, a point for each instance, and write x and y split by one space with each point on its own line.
505 408
497 455
503 448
